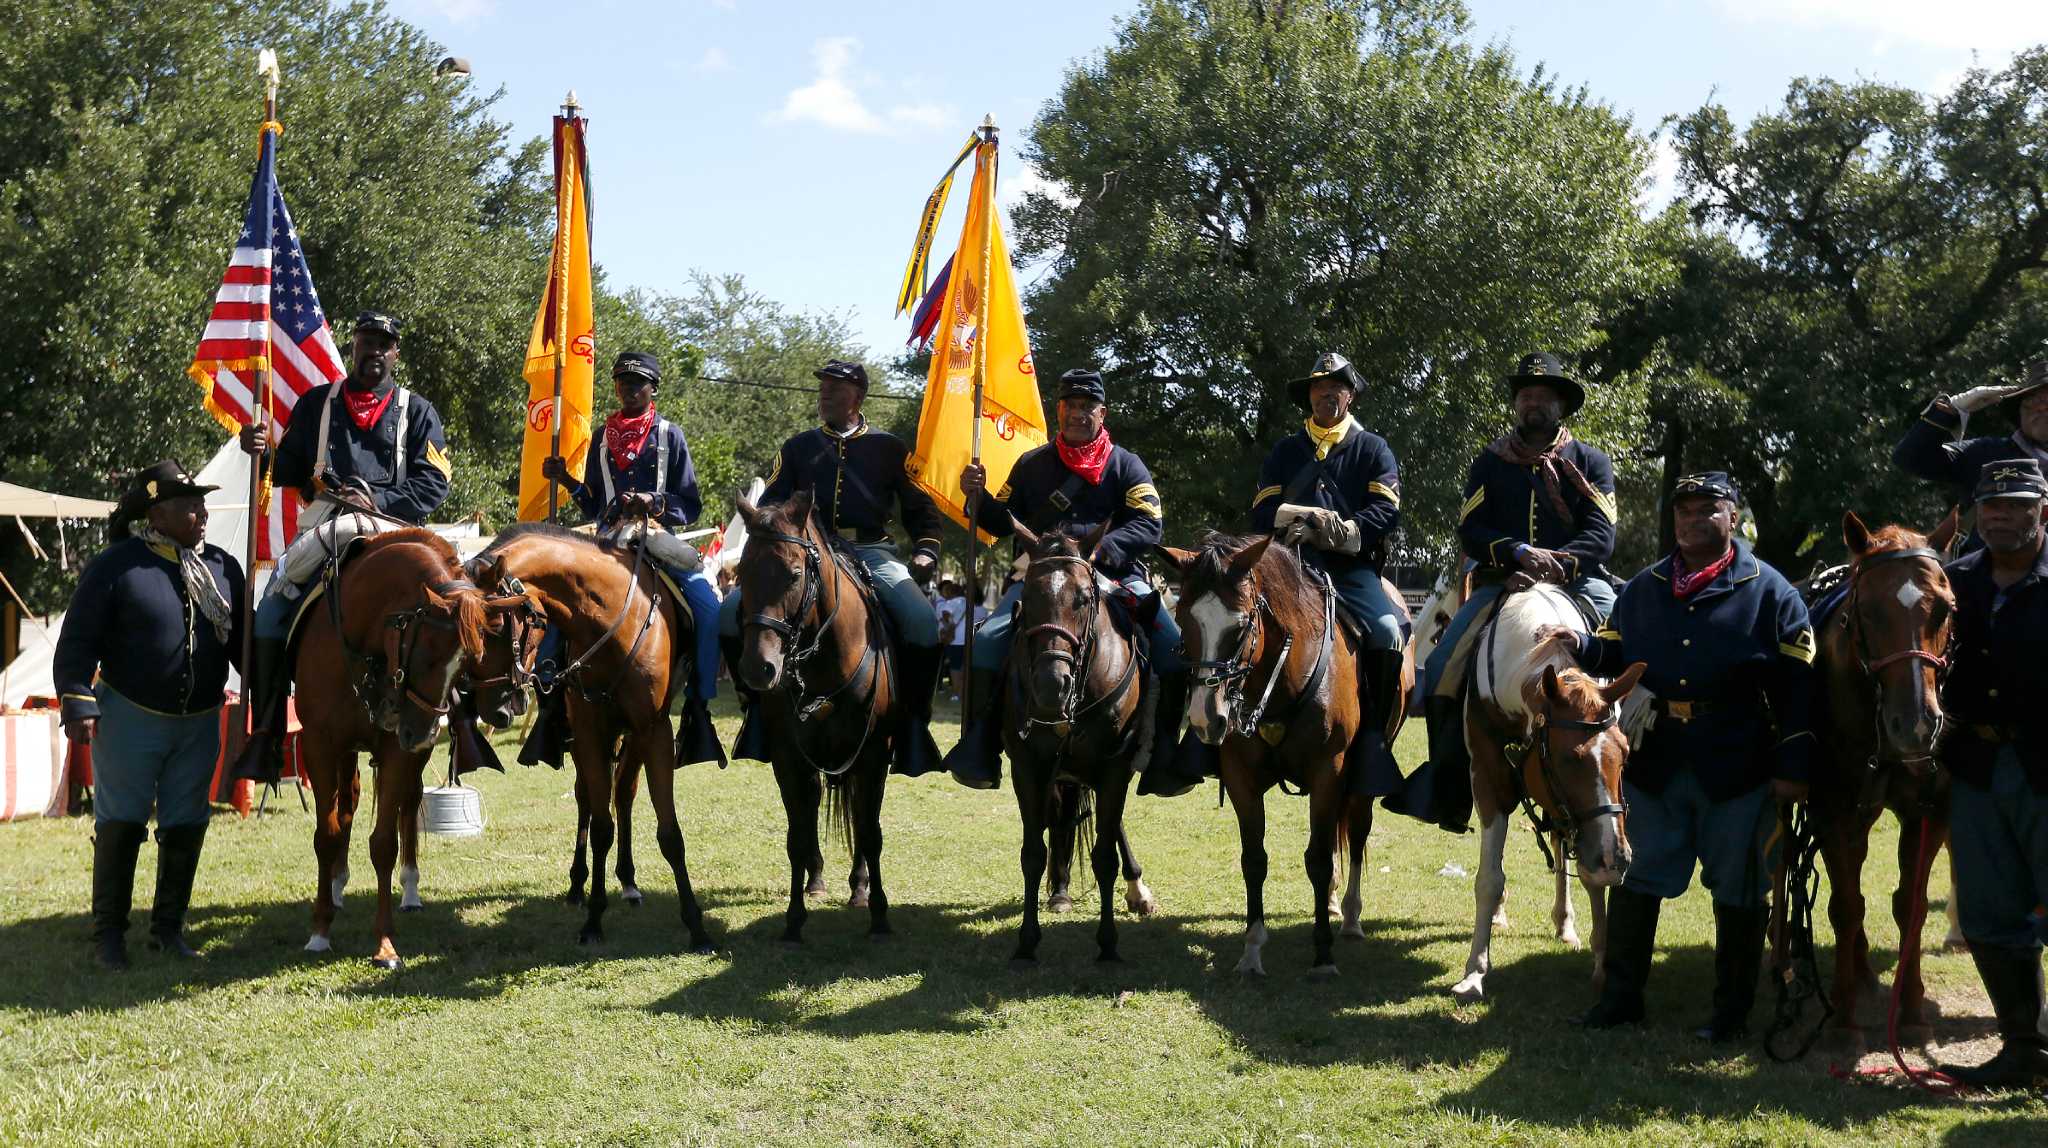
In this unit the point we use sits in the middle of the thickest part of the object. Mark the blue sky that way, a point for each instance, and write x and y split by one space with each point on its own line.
793 141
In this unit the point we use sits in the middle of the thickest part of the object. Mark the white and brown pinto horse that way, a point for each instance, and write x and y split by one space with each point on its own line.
1545 736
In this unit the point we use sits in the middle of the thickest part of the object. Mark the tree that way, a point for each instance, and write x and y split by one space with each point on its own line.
1849 256
1248 183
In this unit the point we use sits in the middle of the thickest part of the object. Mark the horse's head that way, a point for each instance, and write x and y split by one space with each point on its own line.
1220 623
1056 619
1574 763
780 575
497 681
1894 630
423 637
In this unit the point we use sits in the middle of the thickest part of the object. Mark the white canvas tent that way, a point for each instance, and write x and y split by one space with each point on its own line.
27 502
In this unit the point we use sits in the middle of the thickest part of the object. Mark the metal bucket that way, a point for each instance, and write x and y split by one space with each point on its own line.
452 811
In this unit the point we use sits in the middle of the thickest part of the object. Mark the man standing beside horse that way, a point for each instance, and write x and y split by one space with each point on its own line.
1729 653
854 472
1539 507
640 469
1933 450
1997 753
1073 484
367 443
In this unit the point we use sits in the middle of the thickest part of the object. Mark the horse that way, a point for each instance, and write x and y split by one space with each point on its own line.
1254 614
814 649
1881 658
1078 702
1545 735
621 633
375 666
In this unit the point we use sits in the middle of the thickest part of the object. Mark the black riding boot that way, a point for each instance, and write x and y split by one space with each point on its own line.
177 863
1173 768
1440 789
1369 767
1631 939
696 737
976 760
2012 978
114 845
466 742
1738 955
752 742
917 672
548 740
267 685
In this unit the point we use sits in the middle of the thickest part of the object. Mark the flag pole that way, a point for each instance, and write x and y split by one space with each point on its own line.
253 517
559 278
988 138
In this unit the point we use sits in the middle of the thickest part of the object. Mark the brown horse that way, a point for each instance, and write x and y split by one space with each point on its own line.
1543 735
1276 685
376 662
1880 662
1077 690
814 650
620 632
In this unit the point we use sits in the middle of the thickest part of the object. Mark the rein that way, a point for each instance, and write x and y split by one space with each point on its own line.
525 621
574 670
401 638
1233 674
1852 621
1798 979
1566 827
1081 658
798 652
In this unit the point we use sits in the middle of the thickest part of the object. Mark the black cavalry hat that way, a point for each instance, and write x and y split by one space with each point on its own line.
1708 484
2011 478
1083 381
843 371
1543 367
379 321
1329 364
637 363
2035 378
153 484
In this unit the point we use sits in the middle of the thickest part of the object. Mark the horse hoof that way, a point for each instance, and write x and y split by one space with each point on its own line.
389 964
816 893
792 944
1471 990
1323 972
413 908
573 897
881 937
1252 967
702 946
1023 964
1146 907
1060 903
1353 932
857 901
1109 958
632 895
590 937
318 944
1570 941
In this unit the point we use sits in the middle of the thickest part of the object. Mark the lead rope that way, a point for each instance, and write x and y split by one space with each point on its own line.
1798 979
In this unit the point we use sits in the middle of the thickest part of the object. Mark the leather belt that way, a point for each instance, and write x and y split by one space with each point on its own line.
1681 710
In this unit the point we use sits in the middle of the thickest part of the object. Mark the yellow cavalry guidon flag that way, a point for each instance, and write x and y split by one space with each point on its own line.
562 331
1012 415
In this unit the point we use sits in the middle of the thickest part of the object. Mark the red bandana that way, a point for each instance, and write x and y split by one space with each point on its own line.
1086 461
625 436
1685 585
366 407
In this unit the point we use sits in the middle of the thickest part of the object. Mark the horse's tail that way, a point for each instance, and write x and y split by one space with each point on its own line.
1074 804
839 808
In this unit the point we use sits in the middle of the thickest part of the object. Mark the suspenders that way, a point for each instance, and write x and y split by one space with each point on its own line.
404 400
660 463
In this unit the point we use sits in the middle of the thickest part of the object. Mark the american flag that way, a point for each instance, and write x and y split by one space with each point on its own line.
266 314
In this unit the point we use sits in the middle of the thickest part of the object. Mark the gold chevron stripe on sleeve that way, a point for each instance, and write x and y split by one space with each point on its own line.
1384 491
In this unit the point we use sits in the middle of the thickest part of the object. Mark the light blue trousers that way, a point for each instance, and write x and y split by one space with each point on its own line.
144 760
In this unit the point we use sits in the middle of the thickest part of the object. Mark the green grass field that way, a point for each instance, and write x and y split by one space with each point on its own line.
501 1029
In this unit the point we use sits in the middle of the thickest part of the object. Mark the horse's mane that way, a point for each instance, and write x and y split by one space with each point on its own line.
1211 567
472 621
1521 615
1894 537
542 530
413 535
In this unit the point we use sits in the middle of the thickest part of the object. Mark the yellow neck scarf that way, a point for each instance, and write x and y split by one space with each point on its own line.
1325 439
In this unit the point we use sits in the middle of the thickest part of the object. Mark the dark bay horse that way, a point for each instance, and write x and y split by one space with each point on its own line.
377 660
1276 685
1546 736
814 649
620 635
1881 657
1076 692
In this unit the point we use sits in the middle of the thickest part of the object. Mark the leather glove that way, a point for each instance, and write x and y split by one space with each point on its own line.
1977 398
1343 536
1297 523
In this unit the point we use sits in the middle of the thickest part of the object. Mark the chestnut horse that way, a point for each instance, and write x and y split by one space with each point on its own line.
1544 735
1276 685
619 634
1881 658
814 649
376 662
1077 695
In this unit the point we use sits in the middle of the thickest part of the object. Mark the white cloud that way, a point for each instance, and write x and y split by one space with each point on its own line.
1997 27
1019 178
714 60
830 98
1662 187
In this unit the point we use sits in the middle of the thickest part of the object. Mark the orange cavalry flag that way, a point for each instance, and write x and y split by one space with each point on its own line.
561 347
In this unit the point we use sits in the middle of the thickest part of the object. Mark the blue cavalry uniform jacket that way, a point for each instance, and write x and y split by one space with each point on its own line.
1045 495
1998 675
661 467
1928 451
853 477
1358 479
408 481
1732 668
131 619
1506 504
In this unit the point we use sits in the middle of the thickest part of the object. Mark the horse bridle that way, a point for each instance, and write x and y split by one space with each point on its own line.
798 653
523 619
1568 832
1080 657
1852 620
401 638
1233 674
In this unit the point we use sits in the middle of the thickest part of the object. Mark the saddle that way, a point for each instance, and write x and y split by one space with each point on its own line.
330 573
1824 591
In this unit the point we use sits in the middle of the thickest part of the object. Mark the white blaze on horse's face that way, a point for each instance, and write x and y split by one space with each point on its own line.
1216 623
1909 594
